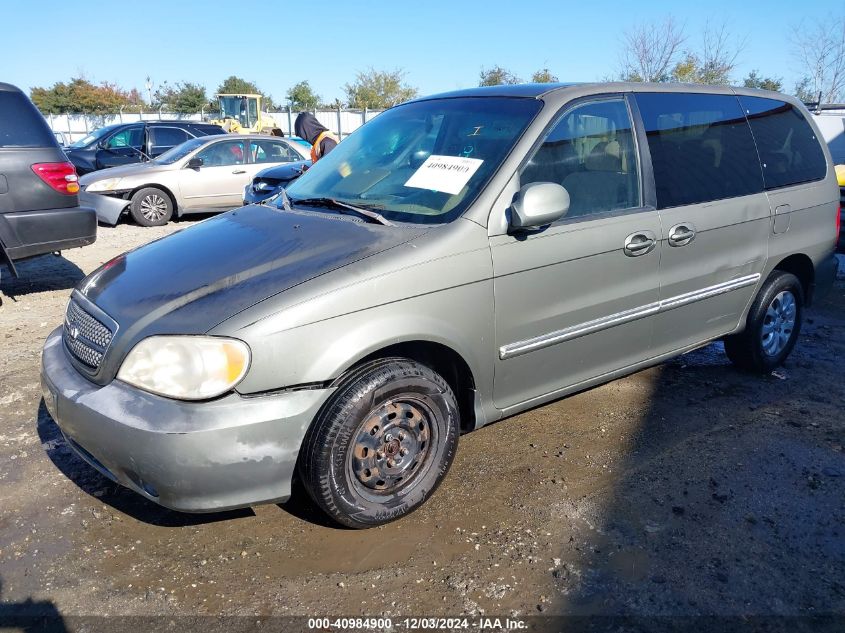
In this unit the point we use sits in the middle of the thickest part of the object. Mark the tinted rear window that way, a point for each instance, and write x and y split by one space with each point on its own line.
208 130
21 125
701 148
168 136
789 150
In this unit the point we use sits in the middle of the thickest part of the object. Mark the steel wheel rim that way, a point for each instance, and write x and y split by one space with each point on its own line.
779 323
391 446
153 207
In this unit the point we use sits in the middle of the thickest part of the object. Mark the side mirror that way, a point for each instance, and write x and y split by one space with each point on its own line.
194 163
103 144
538 204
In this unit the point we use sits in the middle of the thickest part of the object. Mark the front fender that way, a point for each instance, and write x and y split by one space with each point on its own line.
460 318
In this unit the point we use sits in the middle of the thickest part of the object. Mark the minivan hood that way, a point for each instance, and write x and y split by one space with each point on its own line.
190 281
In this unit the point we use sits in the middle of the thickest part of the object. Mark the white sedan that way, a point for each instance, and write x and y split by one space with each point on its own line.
202 175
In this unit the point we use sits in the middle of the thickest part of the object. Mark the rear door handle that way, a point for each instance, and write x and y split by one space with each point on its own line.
681 234
639 243
239 171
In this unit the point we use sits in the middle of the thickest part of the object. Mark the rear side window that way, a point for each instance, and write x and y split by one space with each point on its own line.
701 148
789 150
167 136
21 125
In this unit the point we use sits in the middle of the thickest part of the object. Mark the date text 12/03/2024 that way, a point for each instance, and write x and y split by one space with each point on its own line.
419 624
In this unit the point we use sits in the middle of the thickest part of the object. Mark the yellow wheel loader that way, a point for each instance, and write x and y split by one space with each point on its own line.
241 114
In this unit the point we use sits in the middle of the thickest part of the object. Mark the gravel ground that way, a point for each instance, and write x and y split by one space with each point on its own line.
686 489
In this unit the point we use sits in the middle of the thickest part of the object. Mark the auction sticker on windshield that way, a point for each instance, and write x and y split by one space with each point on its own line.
448 174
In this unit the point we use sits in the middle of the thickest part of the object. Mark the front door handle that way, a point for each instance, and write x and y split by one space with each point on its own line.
239 171
639 243
681 234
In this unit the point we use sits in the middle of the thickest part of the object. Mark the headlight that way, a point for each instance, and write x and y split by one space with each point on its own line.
108 184
186 367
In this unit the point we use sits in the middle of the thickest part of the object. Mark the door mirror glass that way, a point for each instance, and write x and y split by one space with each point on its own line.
538 204
195 163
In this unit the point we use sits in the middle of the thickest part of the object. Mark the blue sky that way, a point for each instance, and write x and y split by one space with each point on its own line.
442 45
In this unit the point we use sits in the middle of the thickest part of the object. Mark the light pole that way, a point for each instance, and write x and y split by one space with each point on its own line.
149 86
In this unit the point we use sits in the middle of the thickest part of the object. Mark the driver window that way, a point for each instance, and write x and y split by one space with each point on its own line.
130 137
590 152
223 153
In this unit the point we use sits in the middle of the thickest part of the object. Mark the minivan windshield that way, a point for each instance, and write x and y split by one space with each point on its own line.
96 135
422 162
180 151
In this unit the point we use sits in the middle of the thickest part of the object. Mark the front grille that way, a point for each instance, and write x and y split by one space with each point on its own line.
85 336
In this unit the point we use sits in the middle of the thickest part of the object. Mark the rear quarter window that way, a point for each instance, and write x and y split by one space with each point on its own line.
790 152
21 125
701 147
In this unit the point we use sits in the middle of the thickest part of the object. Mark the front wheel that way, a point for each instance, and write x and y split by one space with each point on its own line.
382 444
772 327
151 207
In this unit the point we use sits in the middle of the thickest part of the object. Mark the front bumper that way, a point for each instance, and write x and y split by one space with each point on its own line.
108 208
227 453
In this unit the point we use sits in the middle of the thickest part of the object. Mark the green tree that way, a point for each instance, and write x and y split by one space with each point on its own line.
237 85
79 96
497 76
182 97
544 76
804 91
378 89
755 80
303 97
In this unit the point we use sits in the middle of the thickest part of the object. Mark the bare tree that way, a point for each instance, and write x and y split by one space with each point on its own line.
819 50
650 51
719 53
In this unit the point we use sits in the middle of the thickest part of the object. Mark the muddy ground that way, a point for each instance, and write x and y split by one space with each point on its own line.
686 489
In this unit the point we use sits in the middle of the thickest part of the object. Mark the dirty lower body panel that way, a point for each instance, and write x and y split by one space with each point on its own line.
231 452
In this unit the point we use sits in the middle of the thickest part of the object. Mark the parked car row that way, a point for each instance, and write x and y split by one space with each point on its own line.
130 143
205 174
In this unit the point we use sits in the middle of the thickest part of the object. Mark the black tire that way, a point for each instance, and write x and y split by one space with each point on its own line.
749 349
381 409
151 207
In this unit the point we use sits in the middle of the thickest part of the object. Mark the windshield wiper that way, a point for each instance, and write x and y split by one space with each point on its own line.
344 207
285 200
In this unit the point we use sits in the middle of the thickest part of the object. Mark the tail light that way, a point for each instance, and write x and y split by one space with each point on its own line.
60 176
838 219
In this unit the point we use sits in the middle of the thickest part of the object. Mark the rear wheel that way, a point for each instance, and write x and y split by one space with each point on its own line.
382 444
772 327
151 207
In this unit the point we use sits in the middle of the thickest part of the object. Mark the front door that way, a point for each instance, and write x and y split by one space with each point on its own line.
219 183
714 212
576 300
122 148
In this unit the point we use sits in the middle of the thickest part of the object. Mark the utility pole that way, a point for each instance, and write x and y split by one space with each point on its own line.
149 86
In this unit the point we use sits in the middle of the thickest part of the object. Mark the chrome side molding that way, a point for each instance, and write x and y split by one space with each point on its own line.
597 325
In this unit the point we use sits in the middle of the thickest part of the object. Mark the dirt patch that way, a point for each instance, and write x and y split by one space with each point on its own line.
686 489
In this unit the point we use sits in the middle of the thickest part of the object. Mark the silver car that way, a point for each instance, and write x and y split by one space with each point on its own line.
204 174
457 260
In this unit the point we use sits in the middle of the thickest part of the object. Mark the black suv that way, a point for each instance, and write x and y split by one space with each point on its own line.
125 143
39 208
